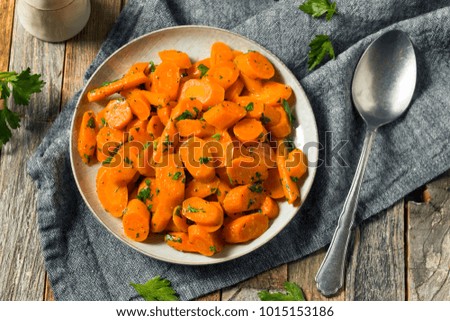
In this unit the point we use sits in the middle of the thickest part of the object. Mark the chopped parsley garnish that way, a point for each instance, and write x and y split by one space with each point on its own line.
264 120
288 111
152 66
171 238
249 107
250 203
91 122
204 160
144 194
194 210
203 70
185 115
128 161
294 179
216 136
256 188
176 176
107 161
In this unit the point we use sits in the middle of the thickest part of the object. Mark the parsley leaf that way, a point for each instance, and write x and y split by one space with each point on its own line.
249 107
256 188
320 46
294 293
216 136
288 111
152 66
176 176
156 289
317 8
203 70
185 115
194 210
22 86
203 160
144 194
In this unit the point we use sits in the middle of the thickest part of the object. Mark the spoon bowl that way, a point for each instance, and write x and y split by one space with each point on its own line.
382 88
385 78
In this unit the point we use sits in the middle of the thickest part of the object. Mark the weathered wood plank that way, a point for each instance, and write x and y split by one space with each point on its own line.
21 263
248 290
303 273
82 49
376 268
428 256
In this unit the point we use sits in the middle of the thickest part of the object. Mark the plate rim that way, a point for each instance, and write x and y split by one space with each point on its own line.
311 170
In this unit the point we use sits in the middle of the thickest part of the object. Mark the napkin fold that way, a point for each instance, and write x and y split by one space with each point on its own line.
85 262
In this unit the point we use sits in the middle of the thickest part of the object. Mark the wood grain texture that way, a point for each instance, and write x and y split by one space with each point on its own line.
376 268
21 263
82 49
303 273
6 16
428 257
248 290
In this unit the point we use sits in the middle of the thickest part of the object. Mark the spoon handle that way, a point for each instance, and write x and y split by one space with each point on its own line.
330 277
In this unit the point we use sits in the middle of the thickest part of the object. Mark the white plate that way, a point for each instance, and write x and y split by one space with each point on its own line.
196 41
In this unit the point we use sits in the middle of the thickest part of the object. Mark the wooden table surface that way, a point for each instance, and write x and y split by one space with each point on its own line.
401 254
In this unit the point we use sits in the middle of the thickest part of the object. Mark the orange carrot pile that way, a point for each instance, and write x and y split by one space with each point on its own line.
196 151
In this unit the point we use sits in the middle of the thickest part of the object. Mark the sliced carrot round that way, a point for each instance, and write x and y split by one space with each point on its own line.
209 93
136 221
250 130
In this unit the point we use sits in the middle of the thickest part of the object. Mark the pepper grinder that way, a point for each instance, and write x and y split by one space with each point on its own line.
54 20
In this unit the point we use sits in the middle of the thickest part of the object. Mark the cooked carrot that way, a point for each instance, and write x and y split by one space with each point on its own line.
204 242
180 242
138 67
233 92
224 115
209 93
155 127
137 132
181 59
144 161
244 198
202 189
272 185
87 137
255 65
290 188
164 114
179 220
220 54
195 72
283 128
194 127
245 228
167 142
156 99
113 197
148 192
121 164
247 170
220 144
224 74
136 221
197 159
117 113
270 208
139 105
222 190
236 53
262 153
170 180
254 108
271 115
254 86
186 109
166 79
273 93
126 82
216 227
297 164
250 130
108 141
202 212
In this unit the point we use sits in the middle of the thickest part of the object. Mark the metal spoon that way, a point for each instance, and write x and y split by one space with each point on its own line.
382 88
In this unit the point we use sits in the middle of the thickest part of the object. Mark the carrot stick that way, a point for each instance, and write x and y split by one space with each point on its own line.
87 137
126 82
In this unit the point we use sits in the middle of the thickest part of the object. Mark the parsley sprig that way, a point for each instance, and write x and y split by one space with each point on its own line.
22 86
294 293
156 289
320 47
318 8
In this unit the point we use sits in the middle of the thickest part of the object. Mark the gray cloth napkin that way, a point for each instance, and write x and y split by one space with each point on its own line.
85 262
